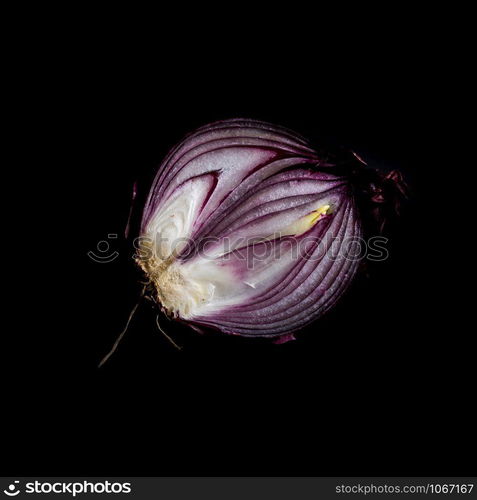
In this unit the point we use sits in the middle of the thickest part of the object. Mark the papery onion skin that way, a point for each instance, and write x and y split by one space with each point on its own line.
235 190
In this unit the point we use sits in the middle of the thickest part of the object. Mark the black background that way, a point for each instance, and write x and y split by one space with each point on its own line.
378 386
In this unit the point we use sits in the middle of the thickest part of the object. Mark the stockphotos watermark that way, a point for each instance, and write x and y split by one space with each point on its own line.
249 250
67 488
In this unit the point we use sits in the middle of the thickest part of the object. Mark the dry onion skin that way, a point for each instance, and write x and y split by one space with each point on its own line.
247 230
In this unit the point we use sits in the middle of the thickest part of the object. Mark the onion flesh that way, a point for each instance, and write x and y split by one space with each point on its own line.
245 230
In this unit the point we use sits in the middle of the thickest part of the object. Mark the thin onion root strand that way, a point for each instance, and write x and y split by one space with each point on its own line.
121 335
165 334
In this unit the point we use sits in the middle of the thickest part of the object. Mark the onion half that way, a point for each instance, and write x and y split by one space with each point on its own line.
248 230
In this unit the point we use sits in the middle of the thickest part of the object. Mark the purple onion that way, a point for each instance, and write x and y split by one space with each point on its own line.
247 230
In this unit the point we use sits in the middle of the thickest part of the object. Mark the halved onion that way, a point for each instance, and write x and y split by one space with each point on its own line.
247 231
